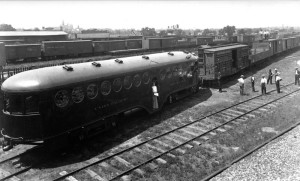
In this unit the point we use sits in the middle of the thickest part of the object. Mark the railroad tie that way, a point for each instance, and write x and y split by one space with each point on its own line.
168 137
94 175
69 178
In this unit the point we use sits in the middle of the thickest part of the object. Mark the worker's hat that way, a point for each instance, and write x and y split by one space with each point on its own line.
242 76
263 75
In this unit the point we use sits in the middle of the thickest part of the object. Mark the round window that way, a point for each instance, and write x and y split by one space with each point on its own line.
137 80
92 91
117 85
77 94
127 82
146 78
61 98
105 88
162 74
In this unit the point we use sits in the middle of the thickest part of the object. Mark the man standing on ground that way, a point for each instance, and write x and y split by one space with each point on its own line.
263 84
241 83
278 79
219 81
253 83
270 76
296 76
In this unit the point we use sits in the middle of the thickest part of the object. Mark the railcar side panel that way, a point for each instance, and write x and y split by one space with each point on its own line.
133 44
17 52
101 46
117 45
2 54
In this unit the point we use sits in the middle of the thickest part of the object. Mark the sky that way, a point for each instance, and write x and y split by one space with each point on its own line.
155 14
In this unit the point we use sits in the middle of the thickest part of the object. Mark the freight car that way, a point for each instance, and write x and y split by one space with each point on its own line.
22 52
63 49
69 101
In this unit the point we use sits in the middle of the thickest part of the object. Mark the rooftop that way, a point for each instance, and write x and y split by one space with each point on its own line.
32 33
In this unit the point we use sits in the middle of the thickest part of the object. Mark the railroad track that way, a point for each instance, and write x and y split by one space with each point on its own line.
15 166
128 163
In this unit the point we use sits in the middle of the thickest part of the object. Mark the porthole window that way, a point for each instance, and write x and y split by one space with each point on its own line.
127 82
117 85
77 94
137 80
105 88
146 78
61 98
162 74
169 73
92 91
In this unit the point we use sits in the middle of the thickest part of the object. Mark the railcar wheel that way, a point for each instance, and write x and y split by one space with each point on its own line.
170 99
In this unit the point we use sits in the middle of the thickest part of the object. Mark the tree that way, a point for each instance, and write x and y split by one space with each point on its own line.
229 30
197 31
6 27
163 33
148 31
179 32
241 31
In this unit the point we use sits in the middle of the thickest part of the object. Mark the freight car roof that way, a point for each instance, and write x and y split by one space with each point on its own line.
32 33
226 48
53 77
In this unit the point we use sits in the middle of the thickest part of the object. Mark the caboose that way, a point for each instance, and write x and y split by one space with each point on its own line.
81 99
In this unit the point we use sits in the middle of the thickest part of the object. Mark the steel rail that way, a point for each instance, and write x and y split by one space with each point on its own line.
161 135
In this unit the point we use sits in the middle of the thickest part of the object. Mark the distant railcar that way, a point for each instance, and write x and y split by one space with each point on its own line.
22 52
56 102
67 48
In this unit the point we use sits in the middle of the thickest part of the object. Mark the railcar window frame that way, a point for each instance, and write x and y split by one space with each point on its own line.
102 88
144 76
95 94
67 96
115 88
81 98
22 105
127 82
137 80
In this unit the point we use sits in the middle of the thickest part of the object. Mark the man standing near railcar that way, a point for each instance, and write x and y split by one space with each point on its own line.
275 73
263 84
219 81
296 76
270 76
241 83
278 79
253 83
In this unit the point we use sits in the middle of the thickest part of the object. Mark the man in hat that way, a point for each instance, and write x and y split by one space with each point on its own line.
277 81
270 76
263 84
241 83
296 76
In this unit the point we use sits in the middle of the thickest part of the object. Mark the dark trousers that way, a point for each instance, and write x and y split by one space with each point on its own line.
263 89
269 80
220 85
253 87
296 79
242 89
278 86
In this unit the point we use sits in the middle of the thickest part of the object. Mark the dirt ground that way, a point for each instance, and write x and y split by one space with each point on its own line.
225 147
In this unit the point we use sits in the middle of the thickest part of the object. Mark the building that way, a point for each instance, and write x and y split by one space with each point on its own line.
33 36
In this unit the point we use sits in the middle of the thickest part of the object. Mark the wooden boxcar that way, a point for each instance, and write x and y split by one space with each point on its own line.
152 43
101 46
67 48
117 45
168 42
225 59
134 44
204 40
22 52
2 54
53 102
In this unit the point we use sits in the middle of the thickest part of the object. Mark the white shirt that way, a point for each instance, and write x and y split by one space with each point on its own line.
263 80
278 78
296 72
241 81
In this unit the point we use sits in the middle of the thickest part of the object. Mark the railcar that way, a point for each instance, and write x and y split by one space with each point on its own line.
225 59
57 102
22 52
62 49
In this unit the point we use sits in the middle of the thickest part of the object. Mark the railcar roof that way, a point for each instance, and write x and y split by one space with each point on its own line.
226 48
52 77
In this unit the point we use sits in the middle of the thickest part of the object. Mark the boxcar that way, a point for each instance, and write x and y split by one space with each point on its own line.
2 54
117 45
225 59
134 44
67 48
152 43
22 52
204 40
168 42
101 46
